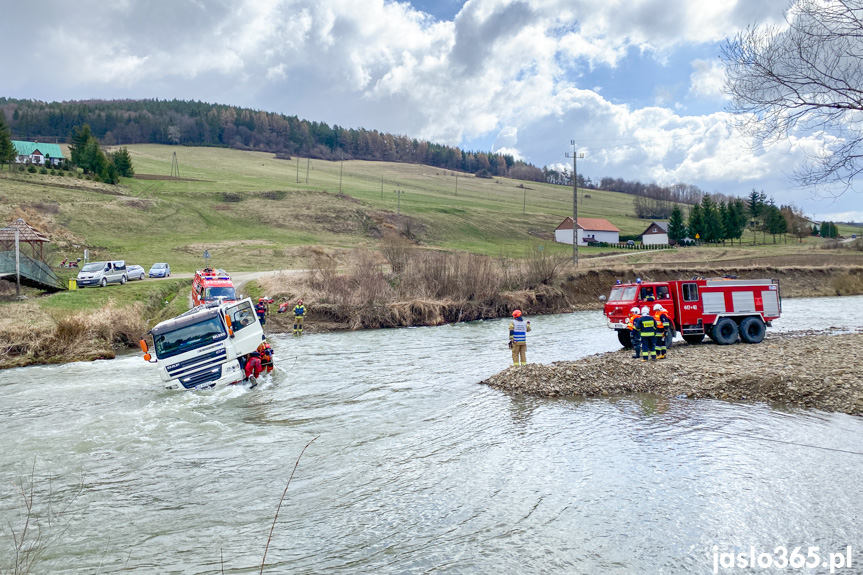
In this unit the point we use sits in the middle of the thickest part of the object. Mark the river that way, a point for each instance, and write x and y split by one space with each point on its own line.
416 468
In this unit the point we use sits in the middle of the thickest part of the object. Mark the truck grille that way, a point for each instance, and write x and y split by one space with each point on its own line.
178 369
200 377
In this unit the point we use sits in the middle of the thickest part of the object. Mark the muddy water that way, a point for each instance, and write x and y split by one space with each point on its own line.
416 468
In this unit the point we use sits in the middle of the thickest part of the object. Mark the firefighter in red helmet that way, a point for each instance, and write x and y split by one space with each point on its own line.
518 329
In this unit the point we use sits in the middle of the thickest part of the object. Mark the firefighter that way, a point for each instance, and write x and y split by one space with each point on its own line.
634 336
261 310
266 352
646 327
299 316
253 367
518 329
660 316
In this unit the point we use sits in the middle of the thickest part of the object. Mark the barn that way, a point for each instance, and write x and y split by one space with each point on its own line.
656 234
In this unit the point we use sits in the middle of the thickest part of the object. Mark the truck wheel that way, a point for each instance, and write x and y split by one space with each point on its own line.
752 329
669 338
694 338
624 338
725 331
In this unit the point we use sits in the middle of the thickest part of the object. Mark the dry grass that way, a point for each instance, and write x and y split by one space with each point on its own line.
41 338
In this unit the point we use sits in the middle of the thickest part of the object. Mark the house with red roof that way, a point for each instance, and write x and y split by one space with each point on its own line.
589 230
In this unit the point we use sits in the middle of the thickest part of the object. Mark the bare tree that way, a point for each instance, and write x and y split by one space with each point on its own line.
806 76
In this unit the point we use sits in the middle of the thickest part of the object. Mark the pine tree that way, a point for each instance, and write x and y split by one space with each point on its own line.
676 226
696 222
122 160
8 153
755 205
712 222
79 139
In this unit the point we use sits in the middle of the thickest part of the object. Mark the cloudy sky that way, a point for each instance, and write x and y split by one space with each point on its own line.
636 83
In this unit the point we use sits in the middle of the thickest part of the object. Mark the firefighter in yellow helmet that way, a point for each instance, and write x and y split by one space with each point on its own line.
518 329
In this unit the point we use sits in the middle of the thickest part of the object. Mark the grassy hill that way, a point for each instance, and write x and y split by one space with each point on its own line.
250 212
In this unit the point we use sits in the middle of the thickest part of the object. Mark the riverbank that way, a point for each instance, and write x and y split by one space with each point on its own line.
819 370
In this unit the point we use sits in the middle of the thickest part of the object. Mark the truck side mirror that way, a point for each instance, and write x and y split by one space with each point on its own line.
230 328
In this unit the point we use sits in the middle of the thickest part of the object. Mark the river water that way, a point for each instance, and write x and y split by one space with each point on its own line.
415 468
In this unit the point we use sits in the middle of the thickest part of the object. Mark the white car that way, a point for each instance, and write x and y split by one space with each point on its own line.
135 273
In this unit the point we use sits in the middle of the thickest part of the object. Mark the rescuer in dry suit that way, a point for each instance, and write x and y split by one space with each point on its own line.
634 336
660 316
261 309
266 353
646 327
253 367
518 329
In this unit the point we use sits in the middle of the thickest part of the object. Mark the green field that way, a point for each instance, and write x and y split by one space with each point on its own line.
251 211
248 210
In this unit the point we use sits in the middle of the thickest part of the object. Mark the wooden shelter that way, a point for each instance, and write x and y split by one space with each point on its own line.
26 235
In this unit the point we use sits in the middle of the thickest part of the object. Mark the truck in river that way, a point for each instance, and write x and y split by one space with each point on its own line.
200 349
725 309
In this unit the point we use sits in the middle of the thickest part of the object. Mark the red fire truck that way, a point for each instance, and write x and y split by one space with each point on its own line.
724 309
212 285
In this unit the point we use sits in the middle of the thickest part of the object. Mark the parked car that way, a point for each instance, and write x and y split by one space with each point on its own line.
160 270
135 272
102 273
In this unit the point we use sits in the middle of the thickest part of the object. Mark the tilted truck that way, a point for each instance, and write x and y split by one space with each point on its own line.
725 309
200 348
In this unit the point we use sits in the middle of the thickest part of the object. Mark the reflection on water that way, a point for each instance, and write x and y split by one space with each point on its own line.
417 468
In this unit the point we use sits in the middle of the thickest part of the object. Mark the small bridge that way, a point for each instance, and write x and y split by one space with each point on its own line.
33 270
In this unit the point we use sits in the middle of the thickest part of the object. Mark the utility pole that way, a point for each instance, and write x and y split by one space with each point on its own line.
298 169
456 185
341 165
382 186
399 193
308 161
524 202
574 157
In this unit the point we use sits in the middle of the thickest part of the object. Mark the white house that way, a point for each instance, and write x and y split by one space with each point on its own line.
38 153
590 231
656 234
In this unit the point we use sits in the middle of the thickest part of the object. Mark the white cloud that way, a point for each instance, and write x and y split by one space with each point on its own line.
707 80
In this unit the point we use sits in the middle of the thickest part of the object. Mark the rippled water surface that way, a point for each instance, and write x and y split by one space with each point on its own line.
416 468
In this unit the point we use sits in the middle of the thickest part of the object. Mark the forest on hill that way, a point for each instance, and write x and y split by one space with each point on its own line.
191 123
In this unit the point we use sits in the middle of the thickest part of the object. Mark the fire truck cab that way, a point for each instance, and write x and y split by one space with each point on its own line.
211 285
724 308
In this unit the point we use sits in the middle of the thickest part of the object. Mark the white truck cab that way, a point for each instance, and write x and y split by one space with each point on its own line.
200 348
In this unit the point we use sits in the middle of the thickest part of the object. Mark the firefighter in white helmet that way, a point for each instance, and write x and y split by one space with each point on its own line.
634 336
646 326
660 316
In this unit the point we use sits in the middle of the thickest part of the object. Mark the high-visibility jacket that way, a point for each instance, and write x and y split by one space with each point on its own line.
518 330
299 310
630 323
260 309
662 319
646 325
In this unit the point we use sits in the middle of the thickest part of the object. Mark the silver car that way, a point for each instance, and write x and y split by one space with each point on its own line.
135 273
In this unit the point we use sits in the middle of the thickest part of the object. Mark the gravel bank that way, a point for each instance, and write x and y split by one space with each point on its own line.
818 370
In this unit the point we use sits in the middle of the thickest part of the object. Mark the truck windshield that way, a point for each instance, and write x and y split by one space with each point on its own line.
189 337
212 293
629 294
615 294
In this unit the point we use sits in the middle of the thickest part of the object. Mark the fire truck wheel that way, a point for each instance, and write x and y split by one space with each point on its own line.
624 339
725 331
669 338
693 338
752 330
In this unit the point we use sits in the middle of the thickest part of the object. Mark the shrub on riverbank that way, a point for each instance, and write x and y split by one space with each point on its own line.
84 325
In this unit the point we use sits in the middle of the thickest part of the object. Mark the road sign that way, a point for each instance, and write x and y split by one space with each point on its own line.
697 236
